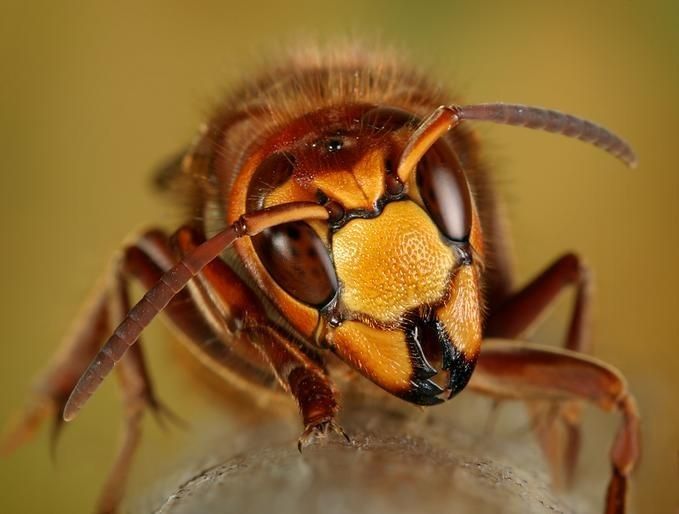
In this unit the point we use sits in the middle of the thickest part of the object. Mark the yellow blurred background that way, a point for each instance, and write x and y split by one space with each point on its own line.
94 94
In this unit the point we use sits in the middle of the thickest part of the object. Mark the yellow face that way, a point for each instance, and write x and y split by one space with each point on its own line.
395 271
389 283
391 264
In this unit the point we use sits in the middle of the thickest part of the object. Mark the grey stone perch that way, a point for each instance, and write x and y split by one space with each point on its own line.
422 464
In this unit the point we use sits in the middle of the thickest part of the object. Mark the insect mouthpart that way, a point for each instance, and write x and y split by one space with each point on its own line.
438 366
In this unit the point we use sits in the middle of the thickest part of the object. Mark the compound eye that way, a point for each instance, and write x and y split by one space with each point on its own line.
444 191
298 261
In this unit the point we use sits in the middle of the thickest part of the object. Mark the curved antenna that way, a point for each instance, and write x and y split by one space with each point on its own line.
551 121
173 281
446 117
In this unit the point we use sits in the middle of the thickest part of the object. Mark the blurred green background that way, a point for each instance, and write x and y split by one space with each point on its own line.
94 94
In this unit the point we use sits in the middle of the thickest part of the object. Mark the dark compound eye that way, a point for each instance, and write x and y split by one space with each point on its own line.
444 191
298 261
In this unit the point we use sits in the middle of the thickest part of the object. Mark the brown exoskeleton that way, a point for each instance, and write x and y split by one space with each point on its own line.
344 208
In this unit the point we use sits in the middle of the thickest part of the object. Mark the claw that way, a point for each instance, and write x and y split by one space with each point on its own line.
317 431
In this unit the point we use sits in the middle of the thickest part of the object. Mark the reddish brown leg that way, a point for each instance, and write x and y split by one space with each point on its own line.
520 312
137 395
304 379
511 370
557 426
295 368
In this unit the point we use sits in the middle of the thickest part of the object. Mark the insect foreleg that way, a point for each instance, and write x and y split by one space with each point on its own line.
522 310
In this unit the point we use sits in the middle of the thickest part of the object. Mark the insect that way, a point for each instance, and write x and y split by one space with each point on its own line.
339 204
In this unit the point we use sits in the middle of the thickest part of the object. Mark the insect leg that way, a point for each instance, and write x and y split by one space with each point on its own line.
144 261
525 371
520 312
297 371
304 379
557 426
135 386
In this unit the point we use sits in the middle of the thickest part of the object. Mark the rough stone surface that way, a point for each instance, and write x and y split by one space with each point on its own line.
385 469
